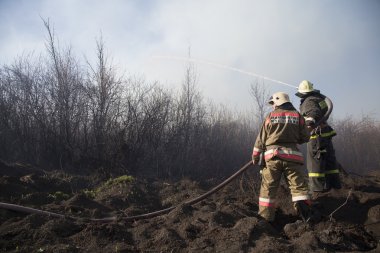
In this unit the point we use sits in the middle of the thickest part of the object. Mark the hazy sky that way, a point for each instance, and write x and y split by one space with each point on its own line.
333 43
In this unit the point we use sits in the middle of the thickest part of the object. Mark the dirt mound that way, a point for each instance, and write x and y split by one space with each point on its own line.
227 221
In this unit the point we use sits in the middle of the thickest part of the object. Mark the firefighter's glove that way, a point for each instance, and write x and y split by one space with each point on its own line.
310 123
255 160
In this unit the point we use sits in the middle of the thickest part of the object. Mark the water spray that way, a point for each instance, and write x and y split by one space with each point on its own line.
177 58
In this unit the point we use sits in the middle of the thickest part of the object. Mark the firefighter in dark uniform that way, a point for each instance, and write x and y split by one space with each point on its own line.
283 129
321 161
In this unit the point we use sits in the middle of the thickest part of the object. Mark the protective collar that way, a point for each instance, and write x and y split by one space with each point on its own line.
303 95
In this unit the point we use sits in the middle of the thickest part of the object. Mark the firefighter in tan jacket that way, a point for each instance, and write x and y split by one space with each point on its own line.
276 143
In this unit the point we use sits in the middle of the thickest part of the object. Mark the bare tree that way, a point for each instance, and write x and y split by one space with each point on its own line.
104 94
65 99
187 108
260 95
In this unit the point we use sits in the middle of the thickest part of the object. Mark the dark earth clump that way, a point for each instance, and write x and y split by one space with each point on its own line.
227 221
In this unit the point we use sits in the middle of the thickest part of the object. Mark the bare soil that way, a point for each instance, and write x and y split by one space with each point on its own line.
225 222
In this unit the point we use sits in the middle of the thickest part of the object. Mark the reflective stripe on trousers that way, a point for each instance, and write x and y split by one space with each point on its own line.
314 174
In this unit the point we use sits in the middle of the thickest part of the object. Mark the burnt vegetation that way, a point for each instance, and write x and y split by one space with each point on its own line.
59 113
78 138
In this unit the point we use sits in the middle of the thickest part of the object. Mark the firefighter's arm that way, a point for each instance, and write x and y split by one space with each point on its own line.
259 148
256 155
311 113
304 131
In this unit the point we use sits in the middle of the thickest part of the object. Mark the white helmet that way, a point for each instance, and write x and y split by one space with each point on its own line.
279 98
305 87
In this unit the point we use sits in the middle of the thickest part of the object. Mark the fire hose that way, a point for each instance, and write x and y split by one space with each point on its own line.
190 202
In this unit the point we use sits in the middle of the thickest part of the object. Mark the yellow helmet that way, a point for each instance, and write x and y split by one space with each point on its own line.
304 88
279 98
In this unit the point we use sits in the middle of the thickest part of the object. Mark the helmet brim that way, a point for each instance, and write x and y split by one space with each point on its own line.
303 94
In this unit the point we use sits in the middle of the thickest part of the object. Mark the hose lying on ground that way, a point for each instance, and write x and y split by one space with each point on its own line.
29 210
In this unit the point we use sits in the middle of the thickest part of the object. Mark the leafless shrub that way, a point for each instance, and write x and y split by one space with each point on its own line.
356 144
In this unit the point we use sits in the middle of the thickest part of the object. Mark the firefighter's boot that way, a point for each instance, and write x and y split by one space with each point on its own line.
307 212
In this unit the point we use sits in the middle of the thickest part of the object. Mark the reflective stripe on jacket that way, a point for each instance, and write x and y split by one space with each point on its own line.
286 154
324 135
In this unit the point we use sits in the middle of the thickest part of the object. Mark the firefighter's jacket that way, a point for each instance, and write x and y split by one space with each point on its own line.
313 107
279 135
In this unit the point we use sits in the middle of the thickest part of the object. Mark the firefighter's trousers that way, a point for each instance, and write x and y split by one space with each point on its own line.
295 177
322 164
